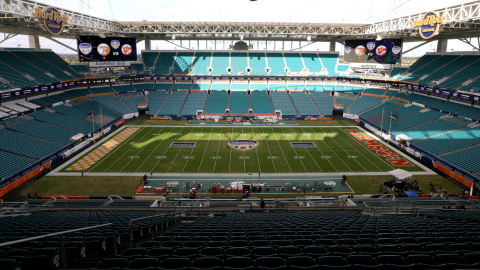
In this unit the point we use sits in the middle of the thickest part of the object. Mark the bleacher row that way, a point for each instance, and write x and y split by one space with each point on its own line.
450 138
312 103
308 240
203 63
50 130
458 72
45 253
23 68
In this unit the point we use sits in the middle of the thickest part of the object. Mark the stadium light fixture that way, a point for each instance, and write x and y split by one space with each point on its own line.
309 38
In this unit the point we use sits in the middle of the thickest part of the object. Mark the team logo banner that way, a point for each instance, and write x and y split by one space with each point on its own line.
348 50
301 144
115 44
360 50
85 48
103 49
371 45
381 50
243 144
187 144
127 49
396 49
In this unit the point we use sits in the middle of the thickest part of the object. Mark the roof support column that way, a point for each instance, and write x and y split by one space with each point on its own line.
442 45
33 42
332 46
148 44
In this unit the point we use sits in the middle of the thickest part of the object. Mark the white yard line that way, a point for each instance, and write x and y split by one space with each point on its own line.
334 152
82 153
218 149
294 151
193 148
140 150
281 149
368 149
176 136
308 152
201 161
178 152
118 147
345 151
321 152
244 169
256 151
153 151
266 141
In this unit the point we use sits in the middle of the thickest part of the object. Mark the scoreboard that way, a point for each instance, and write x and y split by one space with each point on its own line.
97 49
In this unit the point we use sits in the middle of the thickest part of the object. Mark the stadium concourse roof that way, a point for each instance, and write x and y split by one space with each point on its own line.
18 17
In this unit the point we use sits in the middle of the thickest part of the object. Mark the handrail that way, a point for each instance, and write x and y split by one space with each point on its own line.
130 236
60 236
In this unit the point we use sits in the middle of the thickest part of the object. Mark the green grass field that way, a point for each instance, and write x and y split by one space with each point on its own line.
336 151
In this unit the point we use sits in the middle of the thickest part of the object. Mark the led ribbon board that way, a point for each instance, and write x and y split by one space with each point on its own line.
429 25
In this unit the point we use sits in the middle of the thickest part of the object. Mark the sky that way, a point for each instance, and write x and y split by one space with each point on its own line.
348 11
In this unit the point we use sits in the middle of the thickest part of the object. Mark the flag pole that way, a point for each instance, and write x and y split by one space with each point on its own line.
93 127
390 127
381 124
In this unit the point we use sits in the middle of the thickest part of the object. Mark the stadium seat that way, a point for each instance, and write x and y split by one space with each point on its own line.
301 262
213 252
207 263
112 263
270 263
175 263
144 264
244 263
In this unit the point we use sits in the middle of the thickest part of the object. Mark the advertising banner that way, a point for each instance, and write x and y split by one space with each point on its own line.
24 178
130 115
97 49
76 148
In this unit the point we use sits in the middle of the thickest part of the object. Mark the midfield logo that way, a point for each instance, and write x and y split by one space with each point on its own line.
243 144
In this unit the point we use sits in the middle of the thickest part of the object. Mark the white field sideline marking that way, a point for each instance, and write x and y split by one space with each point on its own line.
268 147
113 151
153 151
427 170
178 152
125 151
307 151
281 149
256 151
176 136
345 150
295 152
82 153
364 146
218 149
193 148
141 149
335 152
206 147
321 152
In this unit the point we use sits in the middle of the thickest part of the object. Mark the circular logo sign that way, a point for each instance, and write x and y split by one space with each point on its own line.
53 21
243 144
429 24
348 50
85 48
360 50
115 44
103 49
127 49
381 50
371 45
396 50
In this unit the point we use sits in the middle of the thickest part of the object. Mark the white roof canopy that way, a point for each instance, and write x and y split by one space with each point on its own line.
400 174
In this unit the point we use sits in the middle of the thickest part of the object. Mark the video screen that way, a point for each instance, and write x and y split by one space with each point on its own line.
97 49
385 51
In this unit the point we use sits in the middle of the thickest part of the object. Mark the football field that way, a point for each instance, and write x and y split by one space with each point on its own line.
185 149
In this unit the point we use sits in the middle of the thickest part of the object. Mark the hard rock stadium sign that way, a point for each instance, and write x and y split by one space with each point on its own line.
429 25
52 20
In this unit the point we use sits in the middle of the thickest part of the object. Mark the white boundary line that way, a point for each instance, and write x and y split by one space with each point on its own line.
178 152
218 149
334 152
270 152
321 152
256 151
141 149
153 151
193 148
201 161
165 152
306 151
82 153
281 149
